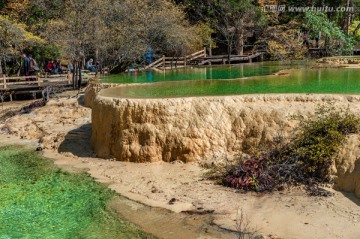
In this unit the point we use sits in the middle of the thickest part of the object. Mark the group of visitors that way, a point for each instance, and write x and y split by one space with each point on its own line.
30 65
54 67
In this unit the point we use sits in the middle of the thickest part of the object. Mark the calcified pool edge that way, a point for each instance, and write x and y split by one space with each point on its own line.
210 129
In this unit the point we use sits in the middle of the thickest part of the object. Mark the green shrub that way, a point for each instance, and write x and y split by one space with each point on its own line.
319 138
305 158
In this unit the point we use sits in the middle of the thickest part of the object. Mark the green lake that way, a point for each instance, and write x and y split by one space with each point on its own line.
256 78
199 73
38 200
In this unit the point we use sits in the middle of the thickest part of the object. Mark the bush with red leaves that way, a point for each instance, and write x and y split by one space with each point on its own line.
250 175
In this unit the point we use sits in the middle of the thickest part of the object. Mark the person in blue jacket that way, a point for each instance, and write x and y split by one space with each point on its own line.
148 56
90 66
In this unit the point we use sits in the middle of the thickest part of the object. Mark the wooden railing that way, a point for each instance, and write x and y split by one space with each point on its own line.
18 80
6 82
170 62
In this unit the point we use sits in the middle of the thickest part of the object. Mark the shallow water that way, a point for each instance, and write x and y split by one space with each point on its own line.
301 80
165 224
199 73
37 200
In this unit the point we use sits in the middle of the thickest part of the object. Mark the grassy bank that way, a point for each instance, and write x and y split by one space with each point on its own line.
37 200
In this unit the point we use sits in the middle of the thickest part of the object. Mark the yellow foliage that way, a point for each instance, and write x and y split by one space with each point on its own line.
16 9
284 43
203 37
14 36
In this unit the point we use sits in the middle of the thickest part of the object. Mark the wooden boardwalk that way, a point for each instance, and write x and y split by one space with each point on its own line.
175 62
226 59
34 86
200 58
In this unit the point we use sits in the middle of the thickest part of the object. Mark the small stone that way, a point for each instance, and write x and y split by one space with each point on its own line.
154 190
172 201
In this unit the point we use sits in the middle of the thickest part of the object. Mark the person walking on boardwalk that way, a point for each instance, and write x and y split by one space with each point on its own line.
148 56
26 64
33 66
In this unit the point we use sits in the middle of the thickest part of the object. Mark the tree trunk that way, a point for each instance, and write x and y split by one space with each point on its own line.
210 50
327 43
1 69
74 75
5 66
80 77
240 43
356 29
348 18
240 39
96 60
229 52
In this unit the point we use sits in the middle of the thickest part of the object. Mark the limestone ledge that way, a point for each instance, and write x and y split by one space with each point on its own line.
210 129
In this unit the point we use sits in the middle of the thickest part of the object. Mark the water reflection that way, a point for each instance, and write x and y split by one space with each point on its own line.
344 81
149 76
198 73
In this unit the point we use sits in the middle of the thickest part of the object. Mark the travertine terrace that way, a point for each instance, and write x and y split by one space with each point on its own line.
210 129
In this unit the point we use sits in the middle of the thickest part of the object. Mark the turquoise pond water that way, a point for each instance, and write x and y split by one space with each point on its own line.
38 200
199 73
256 78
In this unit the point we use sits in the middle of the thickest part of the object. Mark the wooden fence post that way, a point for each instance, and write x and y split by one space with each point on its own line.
4 80
204 51
38 79
69 77
164 61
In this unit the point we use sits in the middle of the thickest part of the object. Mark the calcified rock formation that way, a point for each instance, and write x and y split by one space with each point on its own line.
347 166
339 60
209 128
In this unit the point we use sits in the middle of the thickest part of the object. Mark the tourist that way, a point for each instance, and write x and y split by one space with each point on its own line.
148 56
53 67
70 67
305 39
26 64
90 66
49 67
33 66
58 68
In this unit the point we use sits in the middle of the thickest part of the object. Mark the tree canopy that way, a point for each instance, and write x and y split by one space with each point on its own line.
122 32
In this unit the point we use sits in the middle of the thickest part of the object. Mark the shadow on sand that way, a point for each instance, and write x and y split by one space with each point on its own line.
77 142
81 100
352 197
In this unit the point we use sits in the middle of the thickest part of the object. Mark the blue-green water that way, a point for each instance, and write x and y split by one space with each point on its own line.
37 200
302 79
199 73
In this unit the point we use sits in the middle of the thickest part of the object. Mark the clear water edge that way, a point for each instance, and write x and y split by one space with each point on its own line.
226 81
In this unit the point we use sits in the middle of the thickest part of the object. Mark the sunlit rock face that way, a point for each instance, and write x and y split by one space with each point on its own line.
211 129
346 167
